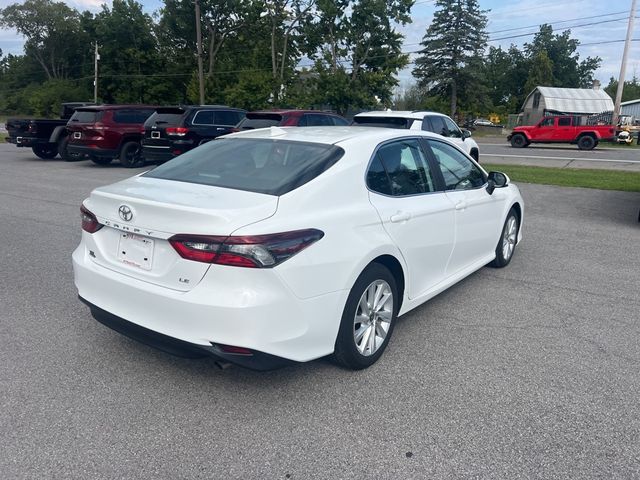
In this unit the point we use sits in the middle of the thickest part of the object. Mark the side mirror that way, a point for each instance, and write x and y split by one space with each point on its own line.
491 186
466 133
496 180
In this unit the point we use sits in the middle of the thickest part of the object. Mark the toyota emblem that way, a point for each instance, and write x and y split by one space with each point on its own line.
125 213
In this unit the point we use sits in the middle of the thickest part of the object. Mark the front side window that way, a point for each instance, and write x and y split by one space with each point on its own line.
273 167
339 122
548 122
400 168
453 129
227 117
458 171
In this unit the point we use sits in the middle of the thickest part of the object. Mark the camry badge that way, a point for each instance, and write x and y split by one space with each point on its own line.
125 213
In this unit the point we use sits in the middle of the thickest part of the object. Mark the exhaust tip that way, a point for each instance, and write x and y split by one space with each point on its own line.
222 365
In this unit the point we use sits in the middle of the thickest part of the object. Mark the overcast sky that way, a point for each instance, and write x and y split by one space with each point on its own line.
506 19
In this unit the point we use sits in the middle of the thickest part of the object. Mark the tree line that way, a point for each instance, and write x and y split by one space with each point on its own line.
343 55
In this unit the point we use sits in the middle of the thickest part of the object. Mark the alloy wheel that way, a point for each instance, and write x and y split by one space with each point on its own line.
373 317
509 238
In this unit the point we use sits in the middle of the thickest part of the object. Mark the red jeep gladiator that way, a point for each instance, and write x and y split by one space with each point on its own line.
107 132
565 129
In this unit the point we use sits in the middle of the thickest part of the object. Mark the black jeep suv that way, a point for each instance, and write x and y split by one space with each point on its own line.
171 131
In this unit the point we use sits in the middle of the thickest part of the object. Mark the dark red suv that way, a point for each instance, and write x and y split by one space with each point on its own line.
291 118
106 132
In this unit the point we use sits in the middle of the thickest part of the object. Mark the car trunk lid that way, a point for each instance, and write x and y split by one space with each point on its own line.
140 215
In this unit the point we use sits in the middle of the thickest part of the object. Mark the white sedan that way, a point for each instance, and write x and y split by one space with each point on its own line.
288 244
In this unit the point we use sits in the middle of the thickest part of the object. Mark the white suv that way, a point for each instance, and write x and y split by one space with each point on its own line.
418 120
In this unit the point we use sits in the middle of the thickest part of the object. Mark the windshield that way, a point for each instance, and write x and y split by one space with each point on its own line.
274 167
386 122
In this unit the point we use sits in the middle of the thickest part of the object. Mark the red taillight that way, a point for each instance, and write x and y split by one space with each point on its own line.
177 131
256 251
89 221
142 131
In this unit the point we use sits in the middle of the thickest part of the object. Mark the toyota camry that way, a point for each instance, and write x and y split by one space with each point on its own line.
288 244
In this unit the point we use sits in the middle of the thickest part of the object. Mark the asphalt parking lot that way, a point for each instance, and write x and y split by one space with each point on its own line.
532 371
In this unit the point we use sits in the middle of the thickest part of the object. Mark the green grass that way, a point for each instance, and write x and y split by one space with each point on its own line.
634 145
571 177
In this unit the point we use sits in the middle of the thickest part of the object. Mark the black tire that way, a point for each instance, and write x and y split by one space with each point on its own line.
503 257
346 352
101 160
519 141
63 151
131 155
587 142
45 151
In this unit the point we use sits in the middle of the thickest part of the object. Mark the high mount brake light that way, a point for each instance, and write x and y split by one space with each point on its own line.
254 251
89 221
177 131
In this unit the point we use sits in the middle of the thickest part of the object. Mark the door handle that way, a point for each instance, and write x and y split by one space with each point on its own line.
461 205
400 217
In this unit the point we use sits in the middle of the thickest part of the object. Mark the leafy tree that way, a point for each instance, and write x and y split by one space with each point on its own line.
567 69
631 90
450 62
54 37
129 55
356 51
540 72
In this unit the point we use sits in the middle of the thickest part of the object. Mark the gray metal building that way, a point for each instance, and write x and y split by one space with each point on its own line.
564 101
632 108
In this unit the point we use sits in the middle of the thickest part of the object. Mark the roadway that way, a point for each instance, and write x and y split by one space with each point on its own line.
497 150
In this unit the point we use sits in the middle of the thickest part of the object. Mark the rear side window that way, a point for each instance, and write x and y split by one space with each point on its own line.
385 122
203 117
317 120
166 117
437 125
564 122
86 116
131 116
405 168
273 167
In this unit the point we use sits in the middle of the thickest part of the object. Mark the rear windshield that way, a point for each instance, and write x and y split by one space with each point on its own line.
274 167
386 122
131 116
260 120
166 117
86 116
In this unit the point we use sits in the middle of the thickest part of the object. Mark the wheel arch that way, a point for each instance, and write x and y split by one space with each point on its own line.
391 263
590 133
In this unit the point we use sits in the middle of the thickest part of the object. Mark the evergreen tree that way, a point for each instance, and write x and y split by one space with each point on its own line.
450 63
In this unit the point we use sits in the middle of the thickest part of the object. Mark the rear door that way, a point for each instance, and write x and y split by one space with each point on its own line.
155 128
85 126
417 216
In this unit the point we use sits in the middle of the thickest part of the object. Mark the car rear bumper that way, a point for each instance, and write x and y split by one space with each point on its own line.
157 154
255 361
76 149
248 308
25 141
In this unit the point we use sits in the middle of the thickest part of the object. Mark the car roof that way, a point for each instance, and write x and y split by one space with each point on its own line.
331 135
115 107
413 114
290 111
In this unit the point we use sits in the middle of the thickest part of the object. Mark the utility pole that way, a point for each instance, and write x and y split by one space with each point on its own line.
623 67
199 42
95 74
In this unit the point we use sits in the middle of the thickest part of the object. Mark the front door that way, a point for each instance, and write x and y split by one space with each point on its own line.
477 214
